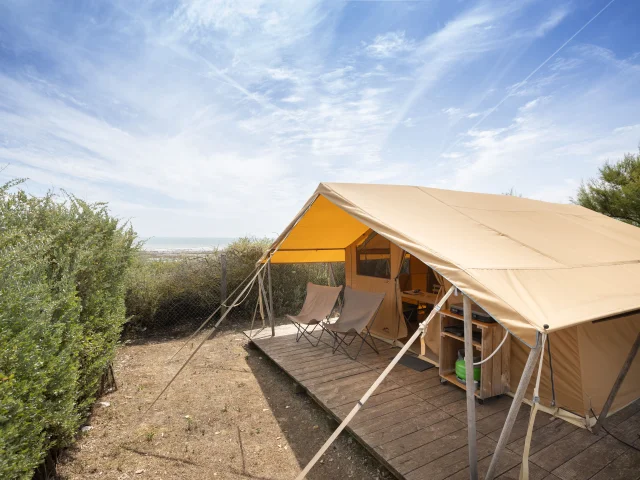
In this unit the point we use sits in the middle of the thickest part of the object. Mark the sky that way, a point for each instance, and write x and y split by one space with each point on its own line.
219 118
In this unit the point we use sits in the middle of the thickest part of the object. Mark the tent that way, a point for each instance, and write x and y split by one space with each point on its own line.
535 267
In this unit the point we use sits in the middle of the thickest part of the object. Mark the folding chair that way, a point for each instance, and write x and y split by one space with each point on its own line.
318 305
359 310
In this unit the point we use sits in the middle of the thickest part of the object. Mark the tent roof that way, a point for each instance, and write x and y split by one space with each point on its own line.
528 263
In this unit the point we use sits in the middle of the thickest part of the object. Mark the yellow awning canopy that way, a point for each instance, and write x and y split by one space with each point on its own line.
320 235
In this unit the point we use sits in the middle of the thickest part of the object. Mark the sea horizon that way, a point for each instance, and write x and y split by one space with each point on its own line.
195 244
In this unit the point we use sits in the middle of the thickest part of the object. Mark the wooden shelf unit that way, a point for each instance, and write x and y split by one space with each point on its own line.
494 377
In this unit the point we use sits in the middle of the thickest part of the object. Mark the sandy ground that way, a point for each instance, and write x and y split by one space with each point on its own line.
231 414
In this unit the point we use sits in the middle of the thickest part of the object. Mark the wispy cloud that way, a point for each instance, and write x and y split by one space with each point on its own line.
389 45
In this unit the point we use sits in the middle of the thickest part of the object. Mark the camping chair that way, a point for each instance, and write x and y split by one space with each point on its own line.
358 312
318 305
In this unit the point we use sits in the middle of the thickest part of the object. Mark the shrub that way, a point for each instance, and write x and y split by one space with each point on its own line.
62 269
180 291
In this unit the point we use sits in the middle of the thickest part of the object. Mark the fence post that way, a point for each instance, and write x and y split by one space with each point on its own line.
223 280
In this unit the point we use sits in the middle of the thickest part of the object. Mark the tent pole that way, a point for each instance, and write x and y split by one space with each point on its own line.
273 327
515 408
263 296
253 318
471 388
333 279
524 467
373 387
616 386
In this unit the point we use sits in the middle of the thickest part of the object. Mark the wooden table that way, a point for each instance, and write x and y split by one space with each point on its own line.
420 298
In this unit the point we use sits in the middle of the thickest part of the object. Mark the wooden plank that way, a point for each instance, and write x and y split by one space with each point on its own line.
373 423
410 435
441 400
376 412
451 463
496 362
486 370
412 377
506 365
429 452
496 421
331 377
312 371
457 409
488 408
626 430
352 397
625 467
535 473
344 384
544 436
436 391
423 384
378 398
563 450
519 429
591 460
507 462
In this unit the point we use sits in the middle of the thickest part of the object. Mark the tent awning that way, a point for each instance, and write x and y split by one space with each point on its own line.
530 264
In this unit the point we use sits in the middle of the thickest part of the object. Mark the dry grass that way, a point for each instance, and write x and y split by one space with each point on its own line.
232 414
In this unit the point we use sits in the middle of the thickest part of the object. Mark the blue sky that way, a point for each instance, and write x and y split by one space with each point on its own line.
219 118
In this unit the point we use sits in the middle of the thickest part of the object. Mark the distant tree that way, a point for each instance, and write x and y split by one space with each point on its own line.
616 192
512 193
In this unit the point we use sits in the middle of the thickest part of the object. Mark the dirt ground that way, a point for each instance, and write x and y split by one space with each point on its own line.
231 414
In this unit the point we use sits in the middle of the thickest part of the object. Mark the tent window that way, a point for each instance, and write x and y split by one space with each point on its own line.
374 257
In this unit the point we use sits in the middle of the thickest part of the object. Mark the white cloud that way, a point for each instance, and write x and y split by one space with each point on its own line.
389 44
552 21
293 99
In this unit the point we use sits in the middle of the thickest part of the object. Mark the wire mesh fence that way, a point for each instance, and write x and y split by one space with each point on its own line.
175 292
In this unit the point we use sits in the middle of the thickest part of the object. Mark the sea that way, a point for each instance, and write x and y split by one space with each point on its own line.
185 244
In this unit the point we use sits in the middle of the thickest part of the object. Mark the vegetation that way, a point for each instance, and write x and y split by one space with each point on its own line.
616 192
512 192
63 265
168 292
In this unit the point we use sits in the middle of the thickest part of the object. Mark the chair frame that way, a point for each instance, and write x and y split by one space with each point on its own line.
304 332
342 344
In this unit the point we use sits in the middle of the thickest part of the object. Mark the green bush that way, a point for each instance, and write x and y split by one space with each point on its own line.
63 263
179 291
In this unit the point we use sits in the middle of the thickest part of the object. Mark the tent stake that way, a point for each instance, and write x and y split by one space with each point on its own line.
273 327
471 388
616 386
515 408
373 387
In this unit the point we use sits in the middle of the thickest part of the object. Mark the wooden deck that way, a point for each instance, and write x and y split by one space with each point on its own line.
416 426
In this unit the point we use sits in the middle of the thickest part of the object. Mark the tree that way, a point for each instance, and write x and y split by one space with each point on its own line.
616 192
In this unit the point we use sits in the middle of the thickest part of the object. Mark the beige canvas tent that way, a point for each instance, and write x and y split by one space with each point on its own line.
533 266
